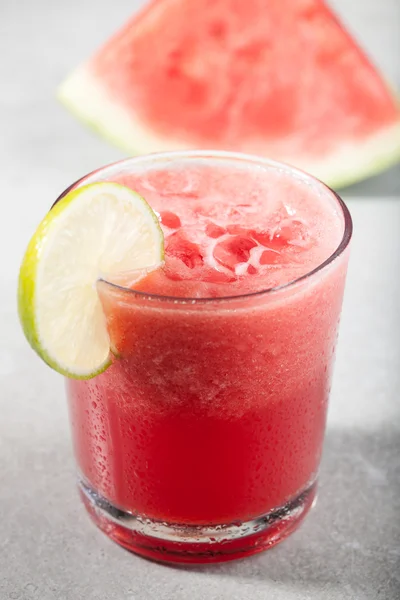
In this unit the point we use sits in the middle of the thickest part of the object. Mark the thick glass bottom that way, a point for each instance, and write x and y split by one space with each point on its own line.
165 542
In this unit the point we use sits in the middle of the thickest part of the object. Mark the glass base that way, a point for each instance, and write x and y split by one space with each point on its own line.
199 544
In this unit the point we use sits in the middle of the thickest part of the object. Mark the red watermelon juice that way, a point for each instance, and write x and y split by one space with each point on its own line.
202 441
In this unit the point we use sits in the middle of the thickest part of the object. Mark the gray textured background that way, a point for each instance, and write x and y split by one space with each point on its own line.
349 547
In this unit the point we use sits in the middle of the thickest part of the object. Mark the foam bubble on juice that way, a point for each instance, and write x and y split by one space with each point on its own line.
231 231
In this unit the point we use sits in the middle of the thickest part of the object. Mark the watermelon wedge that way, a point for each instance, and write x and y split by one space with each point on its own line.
280 78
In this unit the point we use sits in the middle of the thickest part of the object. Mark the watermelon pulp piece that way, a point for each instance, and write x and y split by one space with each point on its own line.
280 78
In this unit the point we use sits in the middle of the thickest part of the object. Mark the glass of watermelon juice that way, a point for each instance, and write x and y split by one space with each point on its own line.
202 441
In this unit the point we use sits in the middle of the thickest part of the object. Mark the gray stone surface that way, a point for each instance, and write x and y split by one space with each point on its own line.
349 547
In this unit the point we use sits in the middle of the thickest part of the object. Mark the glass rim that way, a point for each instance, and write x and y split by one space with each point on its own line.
241 157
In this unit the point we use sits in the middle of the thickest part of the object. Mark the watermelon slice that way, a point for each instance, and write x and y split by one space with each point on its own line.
280 78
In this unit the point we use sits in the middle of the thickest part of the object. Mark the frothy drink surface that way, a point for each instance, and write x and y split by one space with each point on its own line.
230 232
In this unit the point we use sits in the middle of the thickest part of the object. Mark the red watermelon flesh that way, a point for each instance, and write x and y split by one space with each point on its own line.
281 78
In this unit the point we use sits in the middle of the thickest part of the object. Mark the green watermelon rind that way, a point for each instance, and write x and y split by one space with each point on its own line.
84 96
